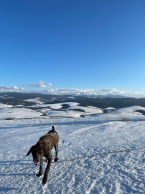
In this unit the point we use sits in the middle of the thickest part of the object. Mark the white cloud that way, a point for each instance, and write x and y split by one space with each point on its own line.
50 84
41 84
16 88
10 89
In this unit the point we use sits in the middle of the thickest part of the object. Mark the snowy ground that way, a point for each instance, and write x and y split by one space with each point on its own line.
118 173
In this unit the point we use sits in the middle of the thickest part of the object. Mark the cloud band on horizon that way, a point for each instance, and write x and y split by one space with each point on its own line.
72 91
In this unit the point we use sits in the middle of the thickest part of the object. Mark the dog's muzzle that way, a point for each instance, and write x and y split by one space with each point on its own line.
36 162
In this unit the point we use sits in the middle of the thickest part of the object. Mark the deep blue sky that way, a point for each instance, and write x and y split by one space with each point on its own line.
94 44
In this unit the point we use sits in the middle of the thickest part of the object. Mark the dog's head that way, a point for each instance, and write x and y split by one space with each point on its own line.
37 152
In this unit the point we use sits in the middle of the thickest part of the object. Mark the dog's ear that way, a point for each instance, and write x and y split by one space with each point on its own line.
29 151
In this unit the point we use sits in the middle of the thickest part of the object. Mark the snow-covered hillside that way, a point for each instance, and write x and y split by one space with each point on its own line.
117 173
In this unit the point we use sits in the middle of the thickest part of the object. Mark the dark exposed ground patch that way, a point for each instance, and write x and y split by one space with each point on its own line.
80 110
65 106
141 111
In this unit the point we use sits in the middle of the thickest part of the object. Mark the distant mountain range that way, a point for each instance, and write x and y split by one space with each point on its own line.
109 100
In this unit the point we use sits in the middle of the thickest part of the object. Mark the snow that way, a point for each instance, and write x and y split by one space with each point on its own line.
56 105
68 111
118 173
130 109
35 100
4 105
18 113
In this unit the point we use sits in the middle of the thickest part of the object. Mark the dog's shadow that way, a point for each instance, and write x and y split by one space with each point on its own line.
7 189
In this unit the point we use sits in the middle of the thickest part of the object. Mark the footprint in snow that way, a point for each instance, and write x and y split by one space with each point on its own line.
61 141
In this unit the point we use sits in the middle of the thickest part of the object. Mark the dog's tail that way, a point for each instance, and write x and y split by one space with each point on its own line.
53 128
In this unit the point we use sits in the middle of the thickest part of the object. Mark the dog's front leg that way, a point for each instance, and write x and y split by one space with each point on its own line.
40 168
45 178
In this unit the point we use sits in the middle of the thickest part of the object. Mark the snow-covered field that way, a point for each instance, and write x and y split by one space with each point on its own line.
117 173
73 110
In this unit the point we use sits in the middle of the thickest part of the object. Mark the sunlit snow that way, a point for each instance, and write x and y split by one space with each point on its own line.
79 137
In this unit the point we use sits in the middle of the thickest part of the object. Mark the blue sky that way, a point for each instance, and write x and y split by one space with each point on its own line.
80 44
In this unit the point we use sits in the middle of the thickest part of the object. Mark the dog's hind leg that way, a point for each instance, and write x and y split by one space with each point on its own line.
40 168
45 178
56 152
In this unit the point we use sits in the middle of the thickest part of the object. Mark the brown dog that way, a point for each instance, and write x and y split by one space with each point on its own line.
43 148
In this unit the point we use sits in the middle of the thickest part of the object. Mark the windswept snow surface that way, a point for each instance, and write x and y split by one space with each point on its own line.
118 173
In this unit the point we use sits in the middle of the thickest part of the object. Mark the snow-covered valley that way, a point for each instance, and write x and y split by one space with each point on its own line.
116 173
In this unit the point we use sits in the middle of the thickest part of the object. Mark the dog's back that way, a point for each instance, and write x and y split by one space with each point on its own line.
51 133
